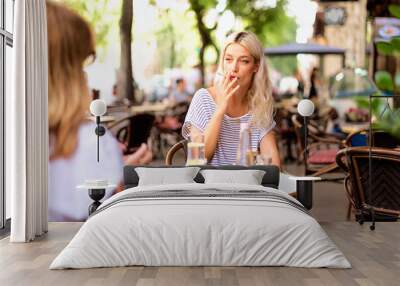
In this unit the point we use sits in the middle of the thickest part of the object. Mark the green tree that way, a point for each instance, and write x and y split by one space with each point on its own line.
272 26
167 41
95 11
102 19
125 89
200 9
177 39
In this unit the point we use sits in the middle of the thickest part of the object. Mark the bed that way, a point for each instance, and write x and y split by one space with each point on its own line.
201 223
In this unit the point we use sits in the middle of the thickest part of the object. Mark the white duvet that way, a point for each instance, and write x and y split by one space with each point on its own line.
183 231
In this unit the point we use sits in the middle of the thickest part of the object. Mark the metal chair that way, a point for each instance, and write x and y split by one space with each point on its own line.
168 128
372 182
322 148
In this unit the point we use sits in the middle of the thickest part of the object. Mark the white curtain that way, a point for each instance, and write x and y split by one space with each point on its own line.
27 123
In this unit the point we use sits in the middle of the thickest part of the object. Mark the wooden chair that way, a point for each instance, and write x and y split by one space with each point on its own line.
169 128
181 145
379 201
284 130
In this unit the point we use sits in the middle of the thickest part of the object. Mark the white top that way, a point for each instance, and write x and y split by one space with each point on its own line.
243 126
201 110
66 203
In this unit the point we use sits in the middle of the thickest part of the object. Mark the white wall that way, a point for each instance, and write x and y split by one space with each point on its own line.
9 70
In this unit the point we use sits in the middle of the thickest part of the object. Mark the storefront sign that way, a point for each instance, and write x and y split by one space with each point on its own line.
334 15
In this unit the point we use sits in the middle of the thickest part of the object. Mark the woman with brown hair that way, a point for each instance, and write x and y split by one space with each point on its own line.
71 46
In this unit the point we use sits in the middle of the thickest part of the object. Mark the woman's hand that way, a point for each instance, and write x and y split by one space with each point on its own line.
143 155
224 91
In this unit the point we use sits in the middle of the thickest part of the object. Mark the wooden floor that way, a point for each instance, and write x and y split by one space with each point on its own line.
374 255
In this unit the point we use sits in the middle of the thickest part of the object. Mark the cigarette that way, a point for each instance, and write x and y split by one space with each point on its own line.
221 74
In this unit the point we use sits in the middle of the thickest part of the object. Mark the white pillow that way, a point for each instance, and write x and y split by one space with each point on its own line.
249 177
163 176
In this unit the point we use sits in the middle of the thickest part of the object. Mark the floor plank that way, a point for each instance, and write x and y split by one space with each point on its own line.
375 257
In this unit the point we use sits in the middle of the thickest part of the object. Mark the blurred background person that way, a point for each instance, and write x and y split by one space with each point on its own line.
179 93
300 83
95 94
313 93
117 101
72 138
314 82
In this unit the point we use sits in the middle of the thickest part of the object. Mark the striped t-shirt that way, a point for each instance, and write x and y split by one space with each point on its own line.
200 113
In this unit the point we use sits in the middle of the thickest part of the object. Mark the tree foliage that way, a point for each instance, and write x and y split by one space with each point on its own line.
167 41
177 39
200 9
271 24
98 14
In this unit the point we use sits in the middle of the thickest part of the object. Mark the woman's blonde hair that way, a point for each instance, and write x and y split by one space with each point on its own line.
260 92
70 43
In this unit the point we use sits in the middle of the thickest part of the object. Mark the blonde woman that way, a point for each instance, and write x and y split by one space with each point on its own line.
72 138
241 95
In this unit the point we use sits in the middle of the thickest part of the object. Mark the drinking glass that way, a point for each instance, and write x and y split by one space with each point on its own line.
196 150
264 159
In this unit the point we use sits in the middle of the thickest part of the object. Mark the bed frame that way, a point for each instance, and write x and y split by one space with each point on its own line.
271 179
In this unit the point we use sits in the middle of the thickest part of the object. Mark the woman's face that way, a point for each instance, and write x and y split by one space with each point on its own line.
238 63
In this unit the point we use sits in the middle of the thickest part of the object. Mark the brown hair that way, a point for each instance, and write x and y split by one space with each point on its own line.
70 43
